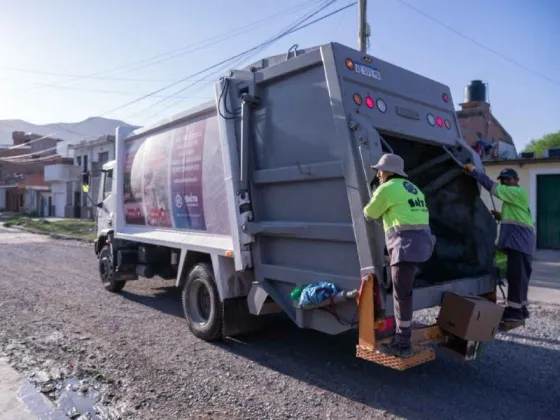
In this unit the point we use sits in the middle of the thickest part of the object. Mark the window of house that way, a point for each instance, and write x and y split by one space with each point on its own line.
103 158
79 161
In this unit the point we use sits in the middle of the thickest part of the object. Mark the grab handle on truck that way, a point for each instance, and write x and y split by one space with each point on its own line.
462 165
247 102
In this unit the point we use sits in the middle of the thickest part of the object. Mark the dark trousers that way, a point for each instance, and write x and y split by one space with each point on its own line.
403 274
518 274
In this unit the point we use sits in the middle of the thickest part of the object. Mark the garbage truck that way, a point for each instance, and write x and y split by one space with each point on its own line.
245 199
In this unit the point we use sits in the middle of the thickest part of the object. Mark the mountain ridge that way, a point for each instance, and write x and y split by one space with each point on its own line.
71 133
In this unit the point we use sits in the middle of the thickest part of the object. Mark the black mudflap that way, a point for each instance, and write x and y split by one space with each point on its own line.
237 320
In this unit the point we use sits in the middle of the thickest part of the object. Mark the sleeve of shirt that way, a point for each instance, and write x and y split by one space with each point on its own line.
378 204
484 180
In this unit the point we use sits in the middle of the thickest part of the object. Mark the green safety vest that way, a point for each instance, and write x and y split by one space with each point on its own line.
400 203
515 207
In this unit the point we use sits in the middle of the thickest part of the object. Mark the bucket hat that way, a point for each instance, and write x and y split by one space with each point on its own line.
391 163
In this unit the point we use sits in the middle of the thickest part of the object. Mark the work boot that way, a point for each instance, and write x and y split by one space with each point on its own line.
395 349
525 312
512 315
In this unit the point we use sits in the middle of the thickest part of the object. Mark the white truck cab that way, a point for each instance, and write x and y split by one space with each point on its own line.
105 203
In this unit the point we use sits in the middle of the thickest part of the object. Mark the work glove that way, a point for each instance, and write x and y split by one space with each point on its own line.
469 168
497 215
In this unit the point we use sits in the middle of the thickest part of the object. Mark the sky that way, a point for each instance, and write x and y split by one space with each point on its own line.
64 61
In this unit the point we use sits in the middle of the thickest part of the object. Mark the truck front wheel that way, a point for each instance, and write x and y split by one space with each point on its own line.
201 303
107 271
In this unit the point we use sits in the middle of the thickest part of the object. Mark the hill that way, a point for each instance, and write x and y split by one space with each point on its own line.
71 133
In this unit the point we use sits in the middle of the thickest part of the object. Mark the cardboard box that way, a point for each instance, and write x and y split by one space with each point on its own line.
469 317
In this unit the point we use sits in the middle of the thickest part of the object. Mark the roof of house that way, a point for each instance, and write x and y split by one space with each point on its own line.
502 162
92 143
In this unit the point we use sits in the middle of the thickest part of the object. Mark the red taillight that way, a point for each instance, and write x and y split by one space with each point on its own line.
370 103
445 97
357 99
439 122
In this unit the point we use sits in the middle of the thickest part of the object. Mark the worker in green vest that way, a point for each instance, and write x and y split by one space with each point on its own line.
517 237
408 238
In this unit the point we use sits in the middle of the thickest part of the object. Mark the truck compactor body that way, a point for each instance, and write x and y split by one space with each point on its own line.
242 199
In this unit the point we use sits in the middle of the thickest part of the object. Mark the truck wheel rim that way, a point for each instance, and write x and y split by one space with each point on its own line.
199 303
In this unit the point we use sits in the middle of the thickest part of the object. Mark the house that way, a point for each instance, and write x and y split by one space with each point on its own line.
480 128
90 156
23 188
540 176
64 178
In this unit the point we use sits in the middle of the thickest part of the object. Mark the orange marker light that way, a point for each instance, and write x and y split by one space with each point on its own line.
357 99
228 253
349 64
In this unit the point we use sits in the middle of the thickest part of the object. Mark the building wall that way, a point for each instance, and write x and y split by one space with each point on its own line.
59 198
32 202
93 150
2 199
98 152
36 142
478 123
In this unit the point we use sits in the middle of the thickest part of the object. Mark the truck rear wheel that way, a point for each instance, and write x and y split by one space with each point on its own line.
107 271
201 303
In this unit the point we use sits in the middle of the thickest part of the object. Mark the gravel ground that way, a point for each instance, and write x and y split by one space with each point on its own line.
134 350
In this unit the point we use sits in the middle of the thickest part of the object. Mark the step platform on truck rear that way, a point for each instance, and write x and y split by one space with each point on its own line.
421 354
424 341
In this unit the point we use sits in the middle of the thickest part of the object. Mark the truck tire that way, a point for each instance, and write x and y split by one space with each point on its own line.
201 303
107 271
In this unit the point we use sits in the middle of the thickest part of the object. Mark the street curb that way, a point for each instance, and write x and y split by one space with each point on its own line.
38 404
52 235
21 398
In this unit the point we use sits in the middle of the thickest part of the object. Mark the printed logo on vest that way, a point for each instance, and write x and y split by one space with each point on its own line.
410 188
417 204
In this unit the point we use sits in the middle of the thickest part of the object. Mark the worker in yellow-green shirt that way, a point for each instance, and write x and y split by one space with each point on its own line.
408 238
517 237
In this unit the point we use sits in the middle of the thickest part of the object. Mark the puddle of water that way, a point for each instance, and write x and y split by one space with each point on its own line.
78 398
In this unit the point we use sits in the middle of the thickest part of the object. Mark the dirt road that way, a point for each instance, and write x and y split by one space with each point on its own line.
56 317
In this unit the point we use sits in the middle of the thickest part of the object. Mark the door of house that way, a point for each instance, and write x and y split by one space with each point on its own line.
548 211
59 204
77 202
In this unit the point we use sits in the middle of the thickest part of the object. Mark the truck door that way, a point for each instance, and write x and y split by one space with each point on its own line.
105 202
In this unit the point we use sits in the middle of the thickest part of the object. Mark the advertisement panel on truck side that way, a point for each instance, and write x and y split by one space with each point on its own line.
175 179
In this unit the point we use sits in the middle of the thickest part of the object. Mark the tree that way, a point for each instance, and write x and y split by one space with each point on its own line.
545 142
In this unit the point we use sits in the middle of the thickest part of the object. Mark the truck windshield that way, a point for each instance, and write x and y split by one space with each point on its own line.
106 184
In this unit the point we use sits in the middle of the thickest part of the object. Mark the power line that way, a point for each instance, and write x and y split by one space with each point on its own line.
291 30
242 57
159 58
298 7
107 91
227 60
266 43
481 45
38 152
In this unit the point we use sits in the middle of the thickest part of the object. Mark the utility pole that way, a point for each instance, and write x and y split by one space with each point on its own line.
363 27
